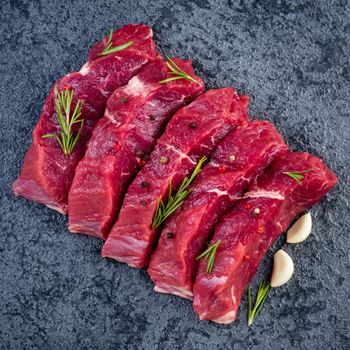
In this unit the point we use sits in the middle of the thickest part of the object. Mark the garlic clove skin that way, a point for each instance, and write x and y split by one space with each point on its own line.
300 230
283 268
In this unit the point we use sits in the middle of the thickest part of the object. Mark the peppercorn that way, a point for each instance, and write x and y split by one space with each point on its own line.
170 235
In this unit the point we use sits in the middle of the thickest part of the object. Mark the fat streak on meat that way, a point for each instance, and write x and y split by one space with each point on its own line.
246 236
121 141
191 134
241 156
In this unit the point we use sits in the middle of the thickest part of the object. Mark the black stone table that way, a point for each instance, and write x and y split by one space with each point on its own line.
291 58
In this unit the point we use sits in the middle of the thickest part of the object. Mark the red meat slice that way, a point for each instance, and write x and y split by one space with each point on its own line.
47 174
135 117
191 134
243 154
246 236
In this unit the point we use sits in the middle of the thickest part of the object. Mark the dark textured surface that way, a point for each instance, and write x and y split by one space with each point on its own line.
292 58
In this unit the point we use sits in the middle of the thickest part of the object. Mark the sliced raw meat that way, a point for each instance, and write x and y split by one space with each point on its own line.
246 233
47 173
242 155
135 117
191 134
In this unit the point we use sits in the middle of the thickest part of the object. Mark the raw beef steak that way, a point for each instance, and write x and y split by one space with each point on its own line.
121 141
243 154
47 173
246 233
191 134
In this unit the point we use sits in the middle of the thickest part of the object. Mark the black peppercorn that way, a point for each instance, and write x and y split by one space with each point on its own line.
170 235
144 184
192 125
152 117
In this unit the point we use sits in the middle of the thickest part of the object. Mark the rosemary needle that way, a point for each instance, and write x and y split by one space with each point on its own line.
163 211
297 175
66 138
176 73
261 296
209 254
111 49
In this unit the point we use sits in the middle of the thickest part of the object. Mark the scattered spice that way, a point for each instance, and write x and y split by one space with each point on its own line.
170 235
152 117
164 159
192 125
232 158
256 212
222 168
144 184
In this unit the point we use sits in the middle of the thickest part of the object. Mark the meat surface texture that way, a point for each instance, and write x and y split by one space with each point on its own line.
246 233
47 173
191 134
243 154
121 142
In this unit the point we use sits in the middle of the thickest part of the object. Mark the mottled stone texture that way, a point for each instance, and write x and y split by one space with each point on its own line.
292 58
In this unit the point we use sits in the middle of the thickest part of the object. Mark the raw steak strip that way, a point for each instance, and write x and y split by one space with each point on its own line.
243 154
191 134
135 117
47 174
246 236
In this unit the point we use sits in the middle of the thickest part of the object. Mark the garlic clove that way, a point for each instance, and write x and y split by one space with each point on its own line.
300 230
283 268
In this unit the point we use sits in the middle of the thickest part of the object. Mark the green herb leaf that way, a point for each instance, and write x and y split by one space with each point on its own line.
67 139
176 73
111 49
297 175
261 296
209 254
163 211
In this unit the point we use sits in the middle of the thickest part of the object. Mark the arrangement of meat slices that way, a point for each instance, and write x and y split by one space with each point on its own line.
134 118
135 150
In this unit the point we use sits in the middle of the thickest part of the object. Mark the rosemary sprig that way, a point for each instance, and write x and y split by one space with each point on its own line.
176 73
261 296
297 175
111 49
163 211
209 254
66 138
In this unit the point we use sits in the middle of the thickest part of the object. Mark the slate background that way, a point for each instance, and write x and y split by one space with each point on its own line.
292 58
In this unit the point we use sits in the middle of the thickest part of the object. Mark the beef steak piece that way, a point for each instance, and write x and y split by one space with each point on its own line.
191 134
243 154
47 173
273 200
121 142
